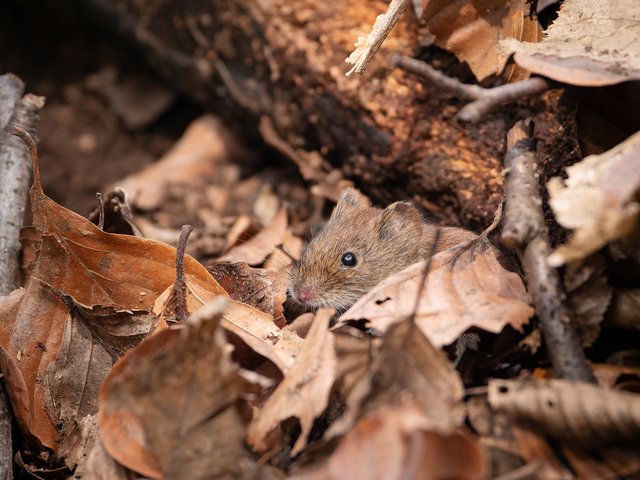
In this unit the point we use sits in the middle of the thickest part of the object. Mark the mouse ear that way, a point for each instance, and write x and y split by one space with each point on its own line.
401 220
350 199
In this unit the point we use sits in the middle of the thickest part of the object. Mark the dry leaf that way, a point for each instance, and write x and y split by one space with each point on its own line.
257 287
192 161
100 466
395 442
581 413
471 29
589 44
258 331
625 308
465 288
585 282
597 200
304 391
281 263
170 405
378 372
88 298
256 249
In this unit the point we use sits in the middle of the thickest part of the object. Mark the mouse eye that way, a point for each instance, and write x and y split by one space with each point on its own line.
348 260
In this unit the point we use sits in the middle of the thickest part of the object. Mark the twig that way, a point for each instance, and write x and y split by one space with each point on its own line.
525 232
15 177
179 295
100 211
483 100
366 47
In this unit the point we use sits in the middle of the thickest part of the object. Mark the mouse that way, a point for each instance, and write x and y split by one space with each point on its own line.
360 246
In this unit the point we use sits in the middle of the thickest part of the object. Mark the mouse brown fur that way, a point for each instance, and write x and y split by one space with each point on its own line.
383 242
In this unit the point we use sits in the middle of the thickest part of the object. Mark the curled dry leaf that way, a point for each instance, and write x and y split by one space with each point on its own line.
471 29
259 332
88 298
404 363
395 441
578 412
465 288
597 200
625 308
585 282
589 44
256 249
304 391
170 405
257 287
191 161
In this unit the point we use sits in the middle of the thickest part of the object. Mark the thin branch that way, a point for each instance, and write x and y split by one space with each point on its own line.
179 295
100 211
483 100
525 232
366 47
15 177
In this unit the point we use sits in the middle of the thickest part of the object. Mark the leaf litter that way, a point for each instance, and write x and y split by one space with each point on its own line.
381 400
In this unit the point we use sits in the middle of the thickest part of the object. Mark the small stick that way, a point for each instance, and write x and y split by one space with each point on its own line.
483 100
100 211
15 178
525 232
179 294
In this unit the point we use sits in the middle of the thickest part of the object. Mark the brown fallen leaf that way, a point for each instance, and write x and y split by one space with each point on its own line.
260 333
403 363
281 262
304 391
581 413
88 299
192 161
257 287
471 30
170 405
589 44
625 306
395 442
465 288
256 249
585 282
597 200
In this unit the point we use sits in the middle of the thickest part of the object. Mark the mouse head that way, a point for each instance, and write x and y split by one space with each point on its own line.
360 246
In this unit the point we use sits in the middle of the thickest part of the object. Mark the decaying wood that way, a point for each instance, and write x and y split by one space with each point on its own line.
15 177
524 231
282 64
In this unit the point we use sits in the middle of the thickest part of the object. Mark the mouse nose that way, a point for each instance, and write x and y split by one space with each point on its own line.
305 294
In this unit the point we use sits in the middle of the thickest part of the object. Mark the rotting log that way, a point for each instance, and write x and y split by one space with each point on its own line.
277 68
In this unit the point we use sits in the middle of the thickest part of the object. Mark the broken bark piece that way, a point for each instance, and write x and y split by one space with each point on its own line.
524 231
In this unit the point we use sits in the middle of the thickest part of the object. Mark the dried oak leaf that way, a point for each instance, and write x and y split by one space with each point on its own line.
395 441
471 29
465 287
87 299
256 249
304 391
581 413
597 200
192 161
375 372
257 287
170 405
589 44
625 308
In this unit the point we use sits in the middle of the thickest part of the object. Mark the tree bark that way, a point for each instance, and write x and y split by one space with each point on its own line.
278 68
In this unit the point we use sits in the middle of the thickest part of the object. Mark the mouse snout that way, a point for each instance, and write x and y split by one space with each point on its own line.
304 294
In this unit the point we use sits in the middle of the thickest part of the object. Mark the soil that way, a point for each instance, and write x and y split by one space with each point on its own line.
84 144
